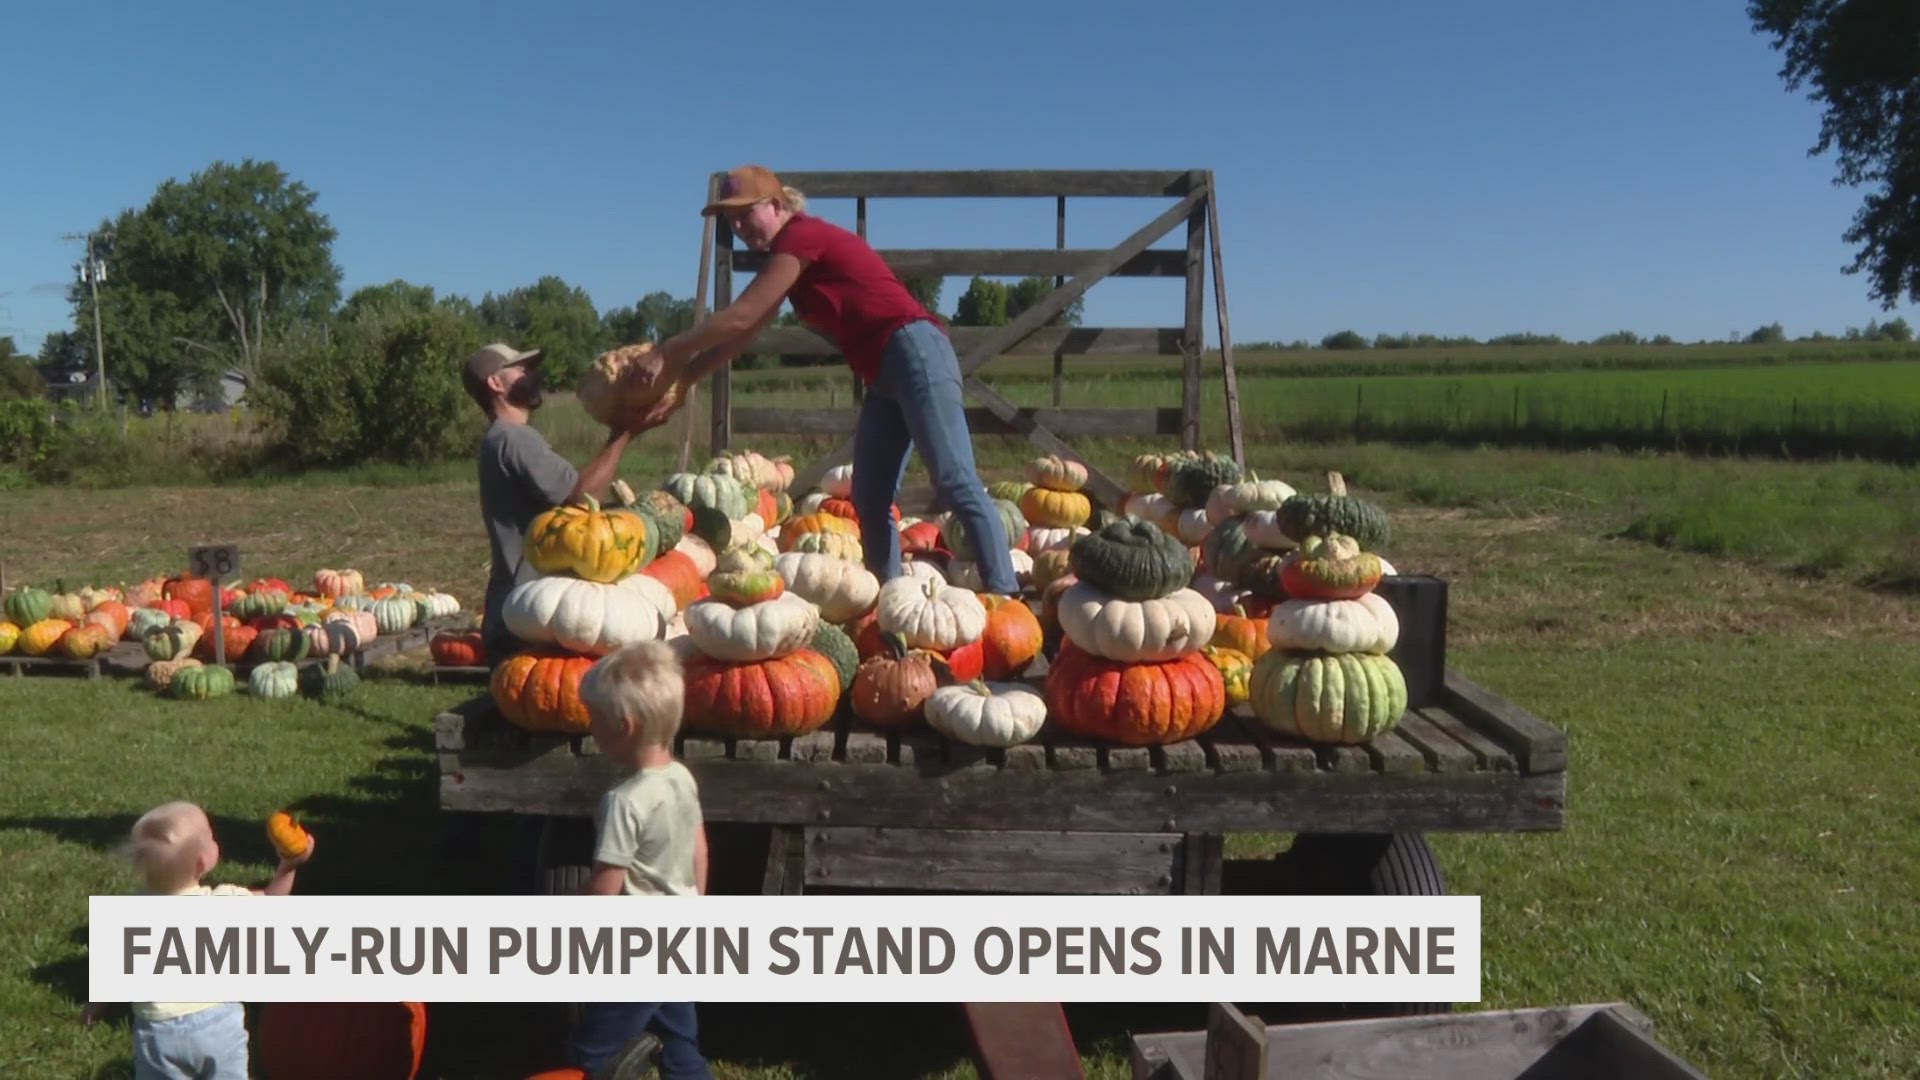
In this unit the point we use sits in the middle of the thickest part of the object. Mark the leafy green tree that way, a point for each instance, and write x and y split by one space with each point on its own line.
656 317
926 289
382 385
983 304
395 293
1862 62
1345 339
1770 334
18 377
1618 337
204 276
554 317
1027 292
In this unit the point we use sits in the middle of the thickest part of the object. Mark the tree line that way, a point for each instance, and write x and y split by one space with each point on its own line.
1895 330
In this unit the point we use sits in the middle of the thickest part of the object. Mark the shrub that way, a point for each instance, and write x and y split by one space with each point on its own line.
1345 339
26 434
383 385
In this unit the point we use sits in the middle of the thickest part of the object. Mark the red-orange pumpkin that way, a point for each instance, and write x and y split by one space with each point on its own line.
84 642
457 648
891 690
787 695
239 638
541 692
680 574
920 538
1135 703
112 610
196 593
376 1040
178 609
816 522
1012 638
968 662
1242 633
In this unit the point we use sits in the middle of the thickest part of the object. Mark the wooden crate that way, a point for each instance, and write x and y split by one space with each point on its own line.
1588 1042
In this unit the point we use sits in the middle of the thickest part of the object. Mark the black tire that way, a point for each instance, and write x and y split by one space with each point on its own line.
1344 864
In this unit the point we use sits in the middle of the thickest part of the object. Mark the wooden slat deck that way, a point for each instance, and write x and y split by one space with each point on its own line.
1469 763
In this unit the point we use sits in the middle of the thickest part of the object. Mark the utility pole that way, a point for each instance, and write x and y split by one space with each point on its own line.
93 271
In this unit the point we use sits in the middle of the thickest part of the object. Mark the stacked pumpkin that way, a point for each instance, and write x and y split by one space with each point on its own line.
1328 677
581 597
963 570
1131 669
753 672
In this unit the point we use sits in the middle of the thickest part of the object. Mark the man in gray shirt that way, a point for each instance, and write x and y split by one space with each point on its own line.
521 477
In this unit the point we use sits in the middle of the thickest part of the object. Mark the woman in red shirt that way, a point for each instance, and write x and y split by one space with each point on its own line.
841 288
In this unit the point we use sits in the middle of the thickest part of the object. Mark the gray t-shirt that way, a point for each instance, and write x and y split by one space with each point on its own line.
647 825
520 478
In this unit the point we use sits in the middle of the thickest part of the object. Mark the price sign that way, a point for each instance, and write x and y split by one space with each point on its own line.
215 562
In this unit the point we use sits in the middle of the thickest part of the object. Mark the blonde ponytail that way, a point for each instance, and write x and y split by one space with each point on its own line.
796 202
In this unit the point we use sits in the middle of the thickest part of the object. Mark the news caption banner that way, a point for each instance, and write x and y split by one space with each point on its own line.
786 948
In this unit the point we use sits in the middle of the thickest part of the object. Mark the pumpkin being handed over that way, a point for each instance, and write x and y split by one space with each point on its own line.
613 390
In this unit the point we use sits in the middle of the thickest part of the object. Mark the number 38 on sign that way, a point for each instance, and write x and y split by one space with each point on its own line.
215 562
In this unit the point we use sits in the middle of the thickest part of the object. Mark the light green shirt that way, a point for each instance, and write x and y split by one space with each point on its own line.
648 825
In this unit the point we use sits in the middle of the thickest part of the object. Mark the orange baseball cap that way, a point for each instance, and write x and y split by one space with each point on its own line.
744 186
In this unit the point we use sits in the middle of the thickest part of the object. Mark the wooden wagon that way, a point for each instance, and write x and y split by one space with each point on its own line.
849 807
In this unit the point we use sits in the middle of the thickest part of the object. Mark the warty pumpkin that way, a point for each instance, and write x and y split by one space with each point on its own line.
891 690
1132 560
1329 568
781 696
160 673
1137 704
1236 671
746 575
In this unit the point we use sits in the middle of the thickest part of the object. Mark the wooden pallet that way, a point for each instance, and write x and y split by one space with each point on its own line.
50 665
1467 763
454 673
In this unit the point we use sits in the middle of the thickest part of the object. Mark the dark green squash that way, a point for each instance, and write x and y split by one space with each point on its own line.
329 680
670 513
833 643
1323 515
1192 480
1132 560
278 644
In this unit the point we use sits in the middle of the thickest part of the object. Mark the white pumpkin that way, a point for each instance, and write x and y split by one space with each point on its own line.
768 542
966 575
923 569
838 482
986 714
1152 507
1041 538
1223 595
1366 625
1386 568
699 551
744 531
1263 531
1164 628
586 616
1191 526
810 503
930 614
759 631
843 591
439 605
1245 497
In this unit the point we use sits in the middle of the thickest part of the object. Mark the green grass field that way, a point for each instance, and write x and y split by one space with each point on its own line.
1739 862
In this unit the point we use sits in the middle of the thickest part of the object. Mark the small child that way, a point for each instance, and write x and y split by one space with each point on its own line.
649 840
172 848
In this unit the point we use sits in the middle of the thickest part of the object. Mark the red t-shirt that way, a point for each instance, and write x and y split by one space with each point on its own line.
847 292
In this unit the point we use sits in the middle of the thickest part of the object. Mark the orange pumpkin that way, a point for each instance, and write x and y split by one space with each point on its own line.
196 593
1012 638
1242 633
112 614
1135 703
680 574
816 522
38 639
787 695
369 1040
891 690
768 507
289 839
457 648
238 634
541 692
1050 609
84 642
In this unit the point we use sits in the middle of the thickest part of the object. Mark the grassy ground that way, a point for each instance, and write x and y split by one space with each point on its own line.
1740 860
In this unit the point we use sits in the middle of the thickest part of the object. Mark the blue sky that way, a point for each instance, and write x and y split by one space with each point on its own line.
1466 168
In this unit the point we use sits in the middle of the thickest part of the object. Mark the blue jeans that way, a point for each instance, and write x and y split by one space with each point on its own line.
916 403
605 1027
207 1045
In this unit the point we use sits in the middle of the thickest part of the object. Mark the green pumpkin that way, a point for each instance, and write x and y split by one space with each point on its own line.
712 526
833 643
329 680
279 644
355 602
395 614
260 605
201 683
669 513
1132 560
954 535
144 620
1320 515
722 493
27 605
1192 480
1010 490
1348 698
1226 551
173 641
276 679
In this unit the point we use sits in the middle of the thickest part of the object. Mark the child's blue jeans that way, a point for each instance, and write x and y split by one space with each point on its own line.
207 1045
605 1027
